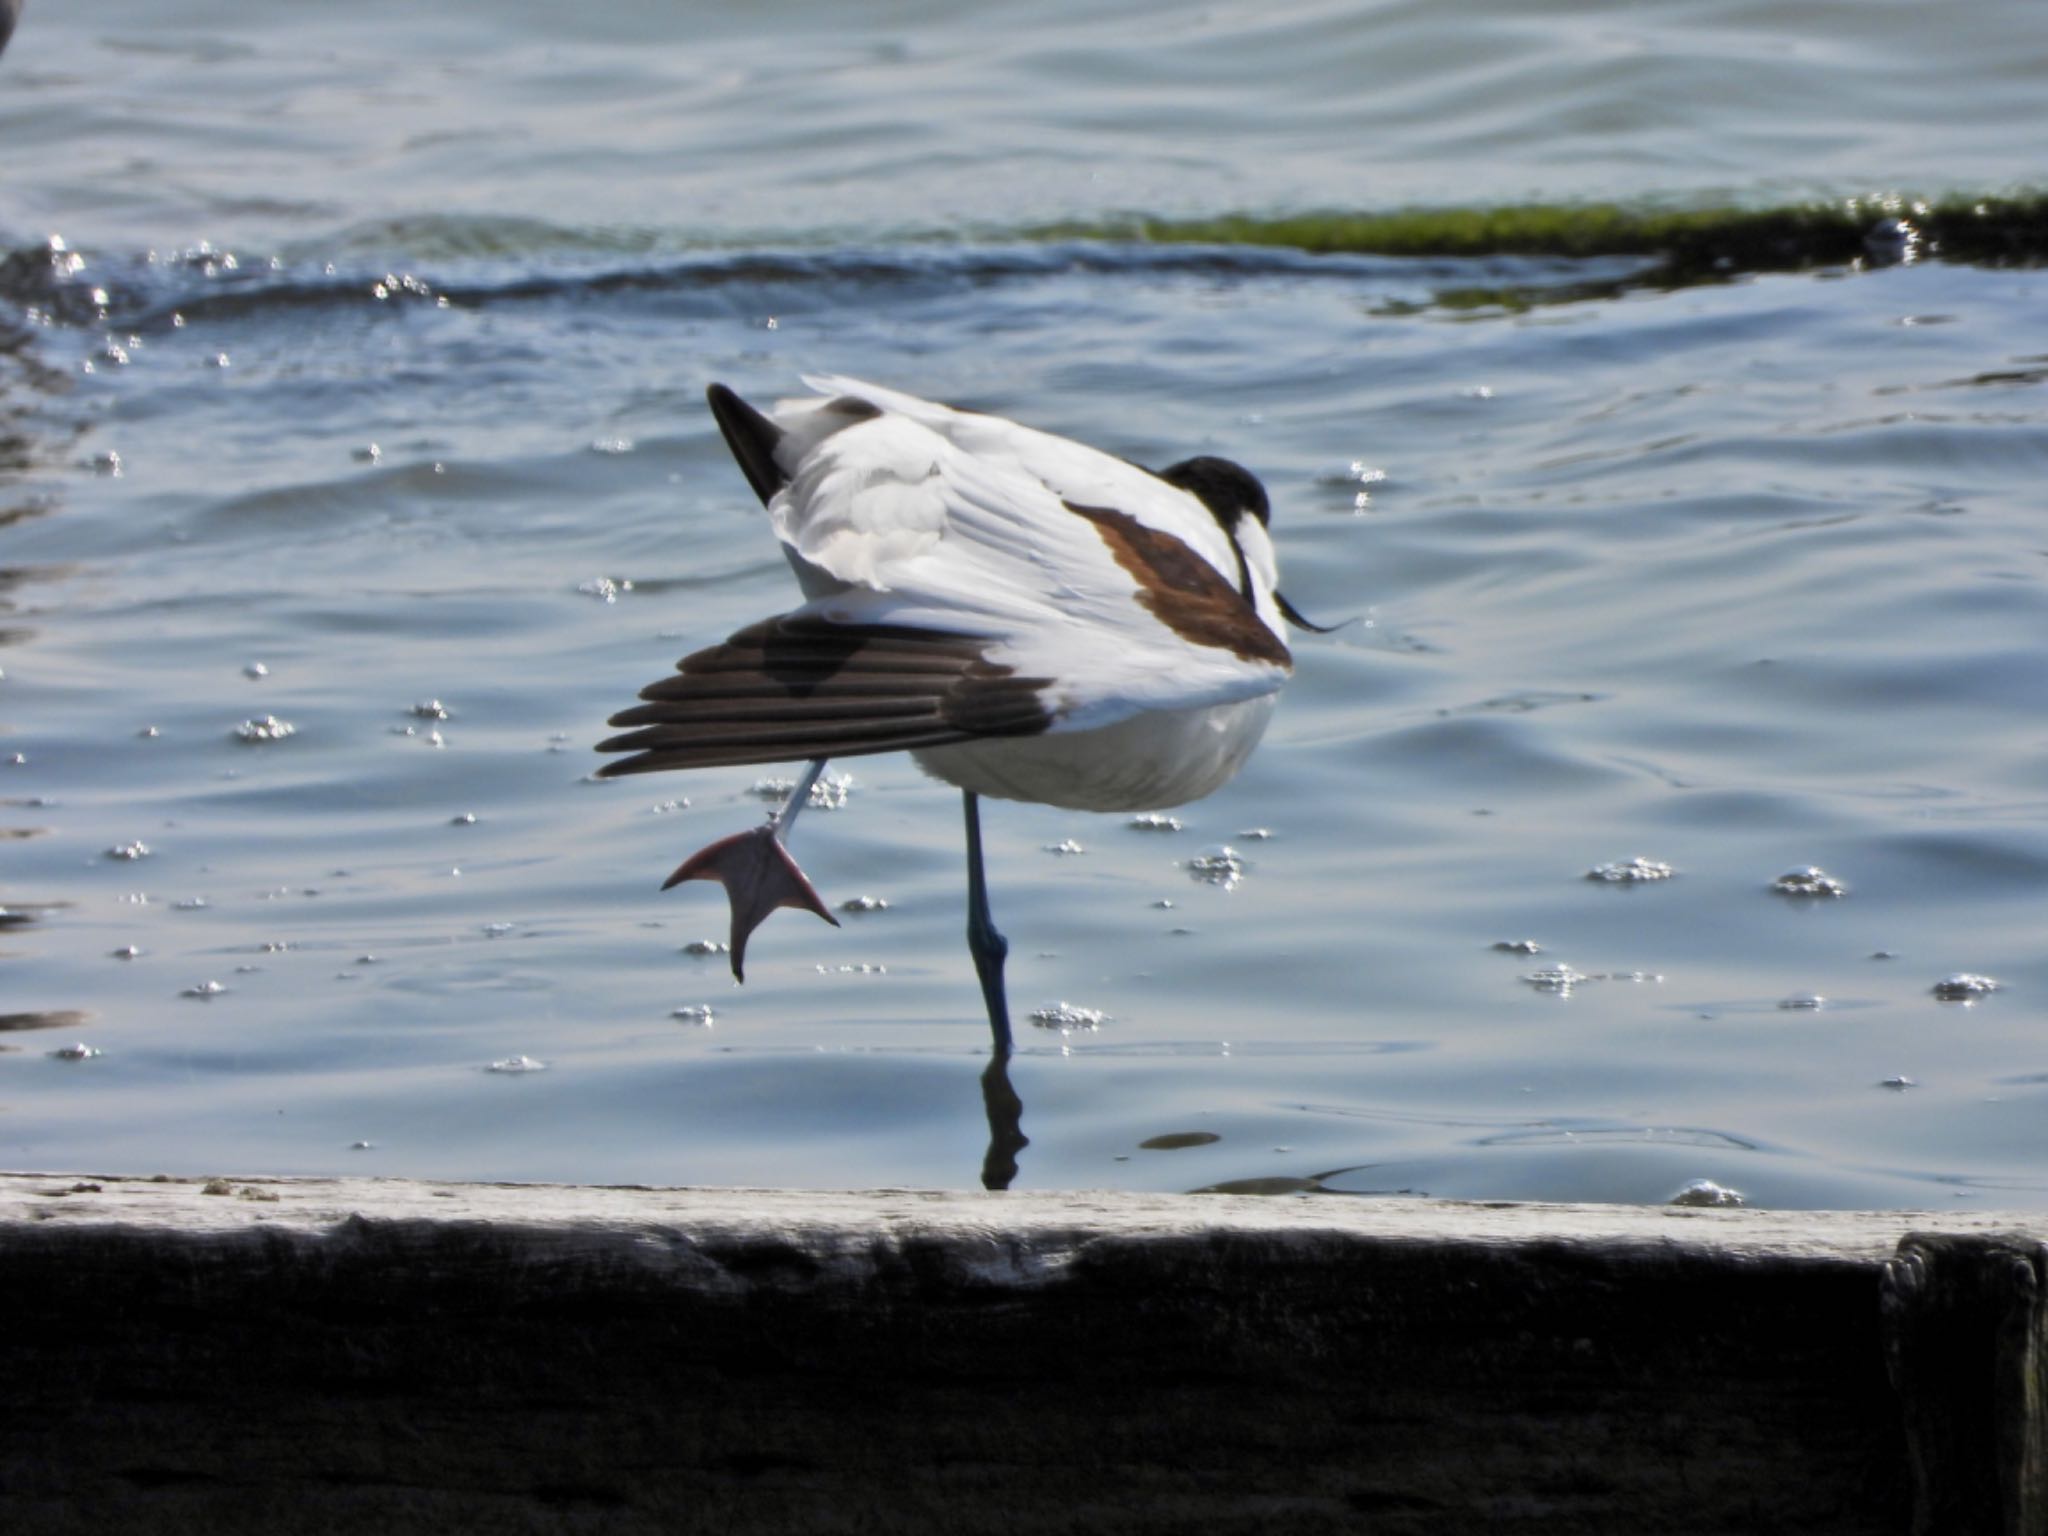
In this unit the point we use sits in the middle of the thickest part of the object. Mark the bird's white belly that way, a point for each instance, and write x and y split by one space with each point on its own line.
1154 760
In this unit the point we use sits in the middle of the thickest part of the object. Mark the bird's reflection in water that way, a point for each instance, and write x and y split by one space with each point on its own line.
1005 1111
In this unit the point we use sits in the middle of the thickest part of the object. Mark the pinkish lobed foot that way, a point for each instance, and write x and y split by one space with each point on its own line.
758 875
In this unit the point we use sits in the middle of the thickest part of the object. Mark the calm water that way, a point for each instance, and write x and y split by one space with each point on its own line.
1741 578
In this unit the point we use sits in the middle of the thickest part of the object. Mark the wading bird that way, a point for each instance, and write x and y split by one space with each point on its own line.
1029 618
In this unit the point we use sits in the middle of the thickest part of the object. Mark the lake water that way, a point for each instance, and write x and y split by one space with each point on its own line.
364 393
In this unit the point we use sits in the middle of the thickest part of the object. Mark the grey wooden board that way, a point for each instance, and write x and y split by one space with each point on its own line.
389 1355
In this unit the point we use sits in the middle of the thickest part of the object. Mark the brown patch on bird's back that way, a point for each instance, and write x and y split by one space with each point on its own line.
1183 591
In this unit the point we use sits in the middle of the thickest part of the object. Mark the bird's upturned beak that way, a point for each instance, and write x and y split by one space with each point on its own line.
1293 616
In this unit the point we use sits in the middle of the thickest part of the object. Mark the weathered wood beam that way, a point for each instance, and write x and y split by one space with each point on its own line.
286 1355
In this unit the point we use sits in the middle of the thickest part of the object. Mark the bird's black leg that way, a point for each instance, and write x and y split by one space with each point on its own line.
988 947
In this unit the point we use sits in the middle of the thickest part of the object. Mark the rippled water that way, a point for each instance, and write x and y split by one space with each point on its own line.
386 423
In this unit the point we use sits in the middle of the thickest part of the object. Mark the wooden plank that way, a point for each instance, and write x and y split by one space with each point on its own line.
385 1355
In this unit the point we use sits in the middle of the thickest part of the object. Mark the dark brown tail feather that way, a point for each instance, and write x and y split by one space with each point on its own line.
789 689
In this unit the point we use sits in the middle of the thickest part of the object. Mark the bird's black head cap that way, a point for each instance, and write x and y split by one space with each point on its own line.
1228 490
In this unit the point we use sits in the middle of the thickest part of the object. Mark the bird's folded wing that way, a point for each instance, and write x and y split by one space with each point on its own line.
889 505
1071 471
799 686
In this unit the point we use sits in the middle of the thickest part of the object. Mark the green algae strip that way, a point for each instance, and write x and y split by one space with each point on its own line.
1685 243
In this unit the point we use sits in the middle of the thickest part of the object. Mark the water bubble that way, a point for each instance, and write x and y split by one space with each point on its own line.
829 793
1065 848
1636 871
1154 821
1809 881
1067 1017
400 285
1364 476
1217 866
1558 979
612 445
511 1065
266 728
190 904
1706 1193
1893 242
604 588
1964 987
129 851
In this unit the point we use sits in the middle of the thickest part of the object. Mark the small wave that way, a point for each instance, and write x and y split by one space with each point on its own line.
1510 255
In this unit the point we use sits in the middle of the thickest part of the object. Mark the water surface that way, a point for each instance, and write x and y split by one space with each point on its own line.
370 380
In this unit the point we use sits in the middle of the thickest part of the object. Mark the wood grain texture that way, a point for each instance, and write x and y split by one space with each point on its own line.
306 1354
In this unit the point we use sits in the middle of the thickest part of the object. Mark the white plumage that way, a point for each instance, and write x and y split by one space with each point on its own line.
899 513
1031 618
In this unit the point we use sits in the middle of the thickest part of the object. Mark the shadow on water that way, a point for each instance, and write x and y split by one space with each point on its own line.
56 1018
